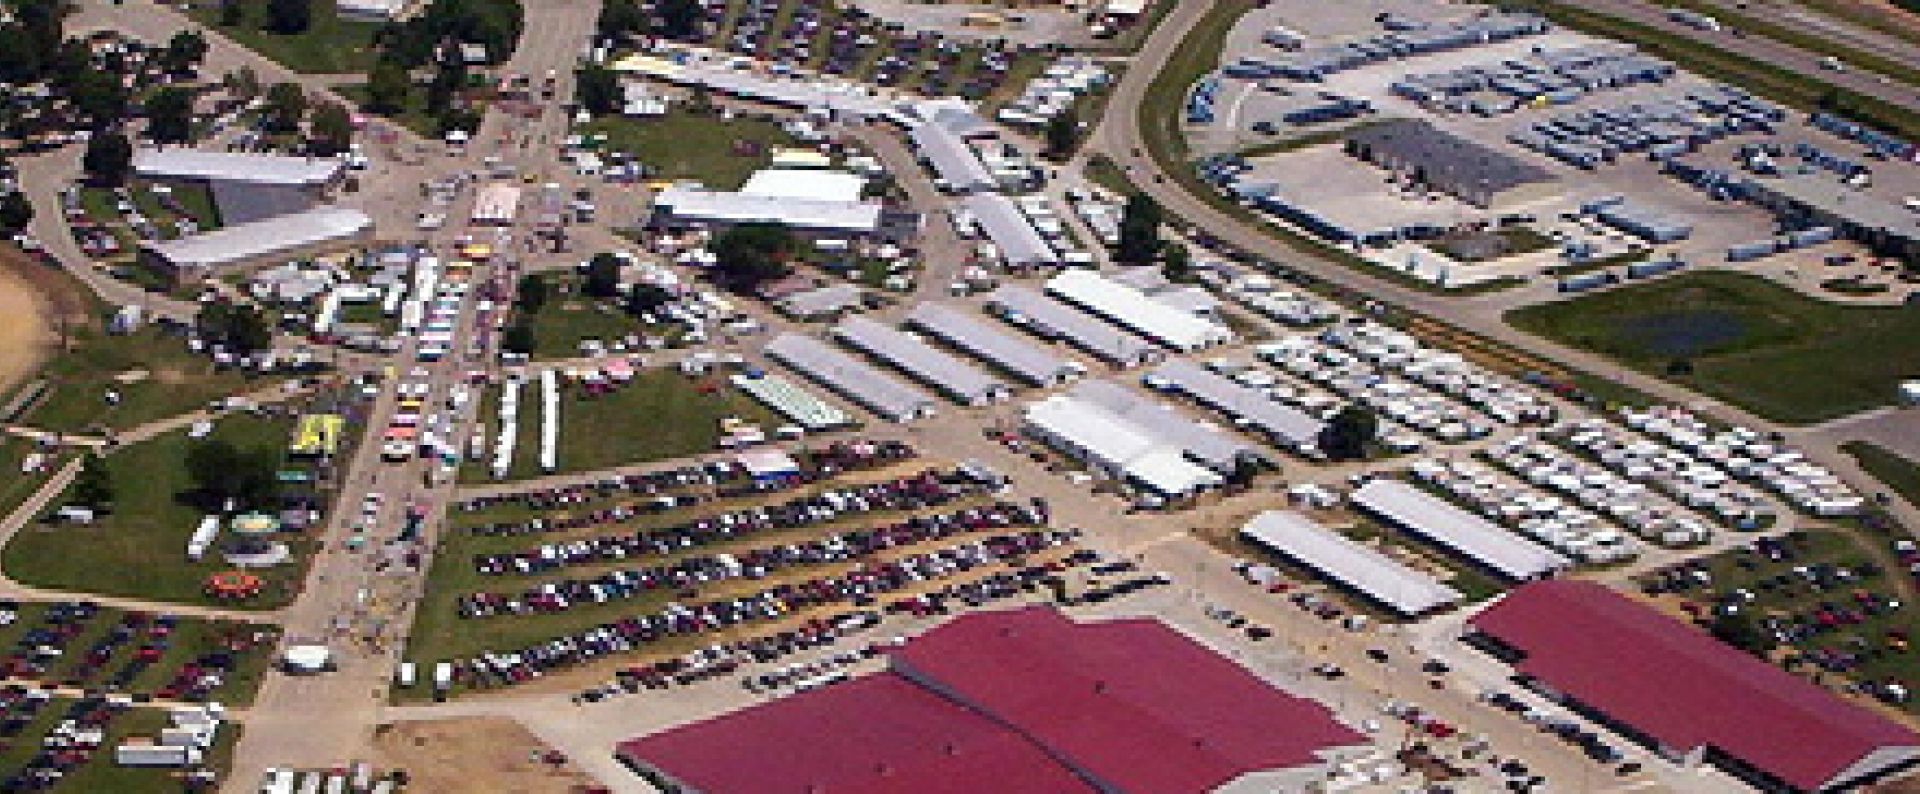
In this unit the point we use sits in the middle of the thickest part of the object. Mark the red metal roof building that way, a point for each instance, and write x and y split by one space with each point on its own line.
1686 694
1017 701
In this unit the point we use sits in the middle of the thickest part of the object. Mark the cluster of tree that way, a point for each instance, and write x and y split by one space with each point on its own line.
390 86
15 213
93 486
1141 244
602 277
1062 134
1739 630
184 53
531 294
223 474
108 159
1349 434
242 330
519 338
672 19
598 89
752 254
437 32
31 46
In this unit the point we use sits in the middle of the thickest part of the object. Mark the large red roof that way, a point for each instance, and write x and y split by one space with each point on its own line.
1132 703
879 734
1682 687
1018 701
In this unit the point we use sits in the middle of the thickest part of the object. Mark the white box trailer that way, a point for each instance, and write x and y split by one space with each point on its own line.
156 755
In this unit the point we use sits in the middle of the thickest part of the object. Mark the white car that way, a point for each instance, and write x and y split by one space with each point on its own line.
432 220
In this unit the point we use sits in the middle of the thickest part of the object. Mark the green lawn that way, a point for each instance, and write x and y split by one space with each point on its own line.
1749 342
413 113
682 145
1103 171
660 415
16 486
330 46
139 550
1900 474
177 380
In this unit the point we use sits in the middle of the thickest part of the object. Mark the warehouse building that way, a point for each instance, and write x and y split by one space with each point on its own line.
788 399
245 186
1806 200
1137 311
956 167
1356 566
1020 244
1448 526
260 243
883 394
1467 170
1117 448
1204 443
1018 357
681 208
960 380
1024 701
1025 307
1282 425
1639 220
1686 695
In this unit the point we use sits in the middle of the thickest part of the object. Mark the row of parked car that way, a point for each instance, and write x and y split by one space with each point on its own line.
859 587
724 658
688 573
918 492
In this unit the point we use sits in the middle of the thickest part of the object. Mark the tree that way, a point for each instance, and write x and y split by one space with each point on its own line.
98 95
1176 263
679 19
646 298
170 115
1348 434
184 53
221 472
93 486
603 276
289 17
1062 134
1139 231
15 212
599 89
332 129
621 17
286 107
518 338
109 156
1738 630
242 330
388 85
242 83
232 14
751 254
531 294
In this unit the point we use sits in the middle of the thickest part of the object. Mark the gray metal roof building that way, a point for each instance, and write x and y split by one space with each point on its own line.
1284 425
883 394
1448 526
285 237
1010 231
1026 307
1472 172
681 206
959 169
1211 446
1355 565
1023 359
264 169
937 368
1819 198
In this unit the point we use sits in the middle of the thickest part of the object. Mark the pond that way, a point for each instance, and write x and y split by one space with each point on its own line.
1683 334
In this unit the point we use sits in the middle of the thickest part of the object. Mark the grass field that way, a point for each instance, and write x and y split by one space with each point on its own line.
682 145
15 485
330 46
100 773
177 380
190 639
661 414
1901 475
413 113
1748 341
139 550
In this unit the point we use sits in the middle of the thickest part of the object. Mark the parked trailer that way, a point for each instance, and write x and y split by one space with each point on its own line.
1748 252
1656 267
1587 281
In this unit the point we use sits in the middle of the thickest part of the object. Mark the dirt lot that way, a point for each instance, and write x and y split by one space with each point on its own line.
30 298
477 754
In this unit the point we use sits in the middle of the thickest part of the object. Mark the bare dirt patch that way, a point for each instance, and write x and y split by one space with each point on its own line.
475 754
33 299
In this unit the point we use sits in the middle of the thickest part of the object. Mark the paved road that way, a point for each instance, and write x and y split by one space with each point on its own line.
1120 137
1831 28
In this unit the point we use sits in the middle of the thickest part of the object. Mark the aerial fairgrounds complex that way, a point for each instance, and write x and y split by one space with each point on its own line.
960 502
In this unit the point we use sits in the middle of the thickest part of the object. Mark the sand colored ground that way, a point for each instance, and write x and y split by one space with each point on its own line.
473 754
26 332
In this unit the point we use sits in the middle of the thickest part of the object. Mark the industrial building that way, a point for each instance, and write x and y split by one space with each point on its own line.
1465 169
1319 190
1639 220
233 248
1020 244
245 186
679 208
1021 701
1026 307
1137 311
1205 444
1686 695
1018 357
1282 425
1356 566
956 167
960 380
883 394
1805 200
1117 447
1446 525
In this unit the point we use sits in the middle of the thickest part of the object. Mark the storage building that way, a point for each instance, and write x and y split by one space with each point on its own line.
937 368
1117 447
1012 233
1467 170
1025 307
1283 425
249 245
883 394
1446 525
1204 443
1356 566
1137 311
1016 356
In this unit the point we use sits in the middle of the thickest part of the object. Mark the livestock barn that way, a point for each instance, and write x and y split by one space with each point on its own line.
1024 701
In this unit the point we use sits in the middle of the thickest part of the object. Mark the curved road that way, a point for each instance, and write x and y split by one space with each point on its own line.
1120 137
